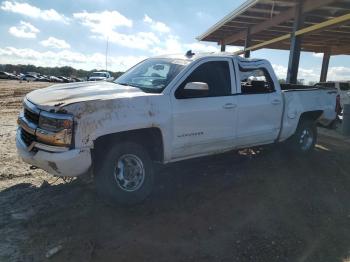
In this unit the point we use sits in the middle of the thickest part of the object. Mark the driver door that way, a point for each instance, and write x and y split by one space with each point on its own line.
205 123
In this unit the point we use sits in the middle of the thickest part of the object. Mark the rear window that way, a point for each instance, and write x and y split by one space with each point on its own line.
255 81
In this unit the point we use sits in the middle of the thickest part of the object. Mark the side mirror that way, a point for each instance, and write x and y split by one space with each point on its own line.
197 86
193 90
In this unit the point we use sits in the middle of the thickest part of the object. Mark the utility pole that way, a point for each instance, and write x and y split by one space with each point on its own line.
107 52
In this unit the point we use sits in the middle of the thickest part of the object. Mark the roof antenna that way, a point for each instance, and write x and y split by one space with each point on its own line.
189 53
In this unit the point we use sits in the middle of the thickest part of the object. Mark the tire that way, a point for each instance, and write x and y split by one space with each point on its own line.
304 139
126 175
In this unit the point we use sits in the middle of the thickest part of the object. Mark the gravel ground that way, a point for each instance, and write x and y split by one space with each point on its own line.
252 205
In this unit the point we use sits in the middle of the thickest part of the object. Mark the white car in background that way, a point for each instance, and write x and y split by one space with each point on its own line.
343 89
100 76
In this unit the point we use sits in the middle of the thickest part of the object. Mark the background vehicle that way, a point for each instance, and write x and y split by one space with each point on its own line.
64 79
28 77
5 75
75 79
55 79
43 78
343 89
166 109
100 76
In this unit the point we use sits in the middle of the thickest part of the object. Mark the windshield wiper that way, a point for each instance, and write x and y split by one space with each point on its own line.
123 84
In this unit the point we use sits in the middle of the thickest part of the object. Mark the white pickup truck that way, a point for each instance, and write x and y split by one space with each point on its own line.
165 109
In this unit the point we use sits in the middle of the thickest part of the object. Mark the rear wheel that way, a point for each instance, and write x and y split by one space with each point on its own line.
126 174
304 139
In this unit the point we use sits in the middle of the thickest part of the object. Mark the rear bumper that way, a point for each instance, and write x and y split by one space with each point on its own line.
71 163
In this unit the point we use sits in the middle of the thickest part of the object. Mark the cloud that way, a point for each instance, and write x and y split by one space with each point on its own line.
169 45
12 55
55 43
156 26
309 74
172 45
232 49
335 73
280 71
33 11
140 40
318 55
201 48
24 30
103 23
303 73
338 73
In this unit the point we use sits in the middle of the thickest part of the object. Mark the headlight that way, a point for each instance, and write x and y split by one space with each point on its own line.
55 124
55 129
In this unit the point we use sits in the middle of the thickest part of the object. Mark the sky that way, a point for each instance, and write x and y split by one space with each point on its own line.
75 33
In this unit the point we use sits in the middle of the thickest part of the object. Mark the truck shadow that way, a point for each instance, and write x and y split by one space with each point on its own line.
255 205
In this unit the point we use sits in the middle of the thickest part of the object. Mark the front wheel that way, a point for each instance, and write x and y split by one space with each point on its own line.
304 139
126 174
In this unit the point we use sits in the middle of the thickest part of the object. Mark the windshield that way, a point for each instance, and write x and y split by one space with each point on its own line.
152 75
98 74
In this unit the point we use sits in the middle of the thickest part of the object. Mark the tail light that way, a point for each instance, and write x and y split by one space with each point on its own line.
337 105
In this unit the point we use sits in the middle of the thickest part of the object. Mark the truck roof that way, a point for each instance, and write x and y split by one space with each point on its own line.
197 56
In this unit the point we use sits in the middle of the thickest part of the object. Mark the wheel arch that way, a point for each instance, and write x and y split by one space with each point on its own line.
311 115
151 138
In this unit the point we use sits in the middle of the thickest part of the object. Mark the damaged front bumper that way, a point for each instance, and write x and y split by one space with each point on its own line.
74 162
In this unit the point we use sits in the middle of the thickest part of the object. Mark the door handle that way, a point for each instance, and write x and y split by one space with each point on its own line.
276 102
229 106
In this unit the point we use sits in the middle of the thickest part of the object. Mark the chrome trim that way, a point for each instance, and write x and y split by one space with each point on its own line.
58 138
34 144
48 148
30 106
41 134
26 125
54 149
56 116
20 140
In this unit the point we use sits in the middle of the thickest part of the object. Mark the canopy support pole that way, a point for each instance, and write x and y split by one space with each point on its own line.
325 64
247 44
295 46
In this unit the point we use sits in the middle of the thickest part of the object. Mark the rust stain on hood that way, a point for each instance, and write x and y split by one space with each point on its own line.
64 94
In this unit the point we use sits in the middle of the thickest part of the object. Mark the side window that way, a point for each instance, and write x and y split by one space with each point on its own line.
215 74
344 86
256 81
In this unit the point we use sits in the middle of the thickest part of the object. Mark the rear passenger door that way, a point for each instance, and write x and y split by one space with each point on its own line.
259 108
205 123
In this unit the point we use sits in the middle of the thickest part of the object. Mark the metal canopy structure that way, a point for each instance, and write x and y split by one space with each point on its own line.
321 26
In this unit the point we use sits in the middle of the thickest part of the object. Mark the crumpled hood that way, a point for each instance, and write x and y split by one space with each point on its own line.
64 94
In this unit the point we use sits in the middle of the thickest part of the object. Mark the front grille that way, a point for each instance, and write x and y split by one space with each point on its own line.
31 116
27 138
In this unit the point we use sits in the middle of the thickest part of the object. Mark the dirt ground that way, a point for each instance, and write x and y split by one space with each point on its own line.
241 206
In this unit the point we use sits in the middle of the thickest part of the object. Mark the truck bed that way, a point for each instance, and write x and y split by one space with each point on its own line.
313 99
296 87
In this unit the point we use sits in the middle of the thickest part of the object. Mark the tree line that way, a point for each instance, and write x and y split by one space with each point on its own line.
66 71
